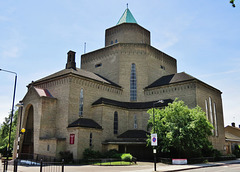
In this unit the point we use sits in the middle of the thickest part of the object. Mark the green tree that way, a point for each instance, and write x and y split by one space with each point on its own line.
182 132
4 133
232 2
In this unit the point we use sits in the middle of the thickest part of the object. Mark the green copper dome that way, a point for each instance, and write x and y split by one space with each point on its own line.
127 17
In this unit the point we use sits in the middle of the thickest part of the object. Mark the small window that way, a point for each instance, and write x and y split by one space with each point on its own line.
90 140
81 103
116 41
48 147
111 42
162 67
135 122
115 123
98 65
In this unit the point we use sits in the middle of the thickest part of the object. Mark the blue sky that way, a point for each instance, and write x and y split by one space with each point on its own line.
203 36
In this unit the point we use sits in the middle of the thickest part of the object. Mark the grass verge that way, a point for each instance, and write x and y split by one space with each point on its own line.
117 163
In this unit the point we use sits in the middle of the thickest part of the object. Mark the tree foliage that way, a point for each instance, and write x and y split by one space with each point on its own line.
182 132
4 133
232 2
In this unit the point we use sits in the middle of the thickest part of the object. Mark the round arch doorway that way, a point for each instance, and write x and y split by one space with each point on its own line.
27 143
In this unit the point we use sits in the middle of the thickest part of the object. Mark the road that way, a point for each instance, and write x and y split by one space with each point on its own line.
224 168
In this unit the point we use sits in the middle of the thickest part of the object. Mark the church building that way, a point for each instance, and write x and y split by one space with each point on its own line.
103 105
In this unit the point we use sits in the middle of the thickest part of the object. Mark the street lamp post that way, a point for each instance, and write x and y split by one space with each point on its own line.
154 131
11 117
20 106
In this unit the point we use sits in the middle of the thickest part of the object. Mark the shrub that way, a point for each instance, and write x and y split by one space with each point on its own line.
91 154
113 153
126 157
236 151
216 154
67 156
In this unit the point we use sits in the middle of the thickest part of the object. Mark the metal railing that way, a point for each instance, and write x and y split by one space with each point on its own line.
45 163
51 166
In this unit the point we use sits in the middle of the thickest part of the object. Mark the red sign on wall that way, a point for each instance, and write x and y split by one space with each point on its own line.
72 138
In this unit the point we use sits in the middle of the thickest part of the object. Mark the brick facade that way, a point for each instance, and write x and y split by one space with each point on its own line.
105 73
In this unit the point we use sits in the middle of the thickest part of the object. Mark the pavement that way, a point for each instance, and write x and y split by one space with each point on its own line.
140 167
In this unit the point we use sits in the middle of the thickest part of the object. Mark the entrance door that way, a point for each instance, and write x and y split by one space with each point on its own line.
27 145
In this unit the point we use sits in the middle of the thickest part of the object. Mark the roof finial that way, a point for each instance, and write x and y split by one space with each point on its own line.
127 5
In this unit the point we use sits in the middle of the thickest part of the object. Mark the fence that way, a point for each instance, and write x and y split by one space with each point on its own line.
12 166
52 166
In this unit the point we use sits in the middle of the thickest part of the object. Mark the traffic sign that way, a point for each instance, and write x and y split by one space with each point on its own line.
154 139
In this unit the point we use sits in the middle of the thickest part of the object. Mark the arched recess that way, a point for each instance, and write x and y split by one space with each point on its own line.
27 139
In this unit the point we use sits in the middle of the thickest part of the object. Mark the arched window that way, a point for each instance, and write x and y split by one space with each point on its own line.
135 122
206 106
133 83
81 103
215 119
115 123
210 111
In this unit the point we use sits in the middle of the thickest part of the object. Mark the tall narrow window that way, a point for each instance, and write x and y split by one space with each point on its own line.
210 111
90 140
215 119
115 123
81 103
133 83
135 122
206 106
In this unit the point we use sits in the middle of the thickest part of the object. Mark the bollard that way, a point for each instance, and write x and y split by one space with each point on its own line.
3 165
62 165
15 165
41 164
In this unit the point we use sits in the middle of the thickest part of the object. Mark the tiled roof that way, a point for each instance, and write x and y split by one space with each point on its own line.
127 17
132 105
43 92
78 72
85 122
171 79
230 136
232 132
134 134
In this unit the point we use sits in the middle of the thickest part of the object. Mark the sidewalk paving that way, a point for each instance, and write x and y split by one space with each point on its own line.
140 167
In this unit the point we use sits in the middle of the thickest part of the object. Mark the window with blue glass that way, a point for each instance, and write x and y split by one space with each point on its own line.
133 83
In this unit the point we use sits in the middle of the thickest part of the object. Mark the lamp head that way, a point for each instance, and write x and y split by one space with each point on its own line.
23 130
19 105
